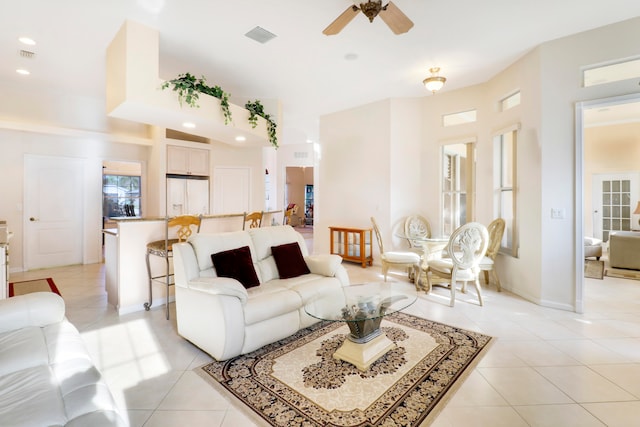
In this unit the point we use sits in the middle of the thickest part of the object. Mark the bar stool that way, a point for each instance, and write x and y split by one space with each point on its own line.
164 249
254 219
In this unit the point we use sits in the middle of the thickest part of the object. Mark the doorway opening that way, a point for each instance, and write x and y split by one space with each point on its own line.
607 155
299 191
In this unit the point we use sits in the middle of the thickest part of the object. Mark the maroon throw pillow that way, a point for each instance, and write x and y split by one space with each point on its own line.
236 264
289 260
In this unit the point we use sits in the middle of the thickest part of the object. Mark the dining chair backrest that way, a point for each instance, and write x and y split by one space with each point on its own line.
468 244
496 230
376 230
291 210
416 226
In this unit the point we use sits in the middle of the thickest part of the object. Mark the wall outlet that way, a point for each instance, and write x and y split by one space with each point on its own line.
557 213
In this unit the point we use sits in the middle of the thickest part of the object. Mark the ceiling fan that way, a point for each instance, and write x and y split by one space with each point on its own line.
390 14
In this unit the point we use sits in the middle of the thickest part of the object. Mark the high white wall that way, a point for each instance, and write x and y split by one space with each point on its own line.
370 167
549 78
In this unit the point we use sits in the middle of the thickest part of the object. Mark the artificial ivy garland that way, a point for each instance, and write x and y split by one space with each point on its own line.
256 109
189 88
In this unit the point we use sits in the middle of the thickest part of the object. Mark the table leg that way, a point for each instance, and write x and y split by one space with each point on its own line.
362 356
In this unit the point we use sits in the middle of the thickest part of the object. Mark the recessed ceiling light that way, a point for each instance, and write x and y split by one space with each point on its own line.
240 138
27 41
23 71
189 125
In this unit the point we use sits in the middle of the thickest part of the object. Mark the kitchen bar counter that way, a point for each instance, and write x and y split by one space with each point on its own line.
125 247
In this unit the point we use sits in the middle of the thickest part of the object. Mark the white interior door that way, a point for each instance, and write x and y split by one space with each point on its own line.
53 209
614 197
231 189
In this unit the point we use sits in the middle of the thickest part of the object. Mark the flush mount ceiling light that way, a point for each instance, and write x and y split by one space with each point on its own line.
189 125
240 138
434 82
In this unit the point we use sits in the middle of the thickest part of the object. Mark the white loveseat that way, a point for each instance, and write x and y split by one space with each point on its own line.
225 319
47 377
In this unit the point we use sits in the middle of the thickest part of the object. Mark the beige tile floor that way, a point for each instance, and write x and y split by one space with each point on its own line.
547 367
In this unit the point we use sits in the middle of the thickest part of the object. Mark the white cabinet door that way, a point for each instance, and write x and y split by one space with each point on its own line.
187 161
177 160
198 162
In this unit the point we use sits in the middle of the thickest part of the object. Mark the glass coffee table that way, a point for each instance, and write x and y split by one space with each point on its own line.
362 307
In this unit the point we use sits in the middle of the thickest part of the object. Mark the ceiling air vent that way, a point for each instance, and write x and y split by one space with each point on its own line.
260 35
27 54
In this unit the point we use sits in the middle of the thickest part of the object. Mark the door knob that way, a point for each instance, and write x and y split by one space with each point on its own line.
32 219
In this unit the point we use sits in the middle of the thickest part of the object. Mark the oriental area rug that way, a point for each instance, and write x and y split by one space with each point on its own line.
594 269
297 382
30 286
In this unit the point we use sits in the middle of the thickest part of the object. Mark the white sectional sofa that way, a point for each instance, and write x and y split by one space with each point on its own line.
224 317
47 377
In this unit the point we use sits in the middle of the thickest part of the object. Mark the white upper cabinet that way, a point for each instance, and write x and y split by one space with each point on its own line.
187 161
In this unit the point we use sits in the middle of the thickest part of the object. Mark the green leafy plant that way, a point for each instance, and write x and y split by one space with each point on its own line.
189 88
186 87
217 92
257 109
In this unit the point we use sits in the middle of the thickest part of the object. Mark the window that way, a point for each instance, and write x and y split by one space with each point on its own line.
458 168
505 183
510 101
459 118
120 195
601 74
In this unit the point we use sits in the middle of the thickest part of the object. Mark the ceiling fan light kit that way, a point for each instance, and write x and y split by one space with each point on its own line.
434 82
397 21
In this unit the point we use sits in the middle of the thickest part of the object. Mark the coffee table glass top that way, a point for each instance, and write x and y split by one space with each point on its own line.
363 302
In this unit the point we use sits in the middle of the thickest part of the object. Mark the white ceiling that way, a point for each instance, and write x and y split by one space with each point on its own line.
307 71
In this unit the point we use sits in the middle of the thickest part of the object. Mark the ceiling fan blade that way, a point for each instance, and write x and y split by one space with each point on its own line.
395 19
341 21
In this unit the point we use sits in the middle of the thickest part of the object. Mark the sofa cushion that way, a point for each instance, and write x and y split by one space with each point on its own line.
236 264
324 264
289 260
270 302
205 244
266 237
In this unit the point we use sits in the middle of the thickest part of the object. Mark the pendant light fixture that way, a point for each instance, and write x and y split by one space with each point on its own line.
434 82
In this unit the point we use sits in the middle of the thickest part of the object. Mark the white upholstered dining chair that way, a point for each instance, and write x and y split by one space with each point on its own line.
398 259
467 245
487 263
416 227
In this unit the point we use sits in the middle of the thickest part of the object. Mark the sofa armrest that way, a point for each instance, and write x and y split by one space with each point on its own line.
220 286
185 264
323 264
35 309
